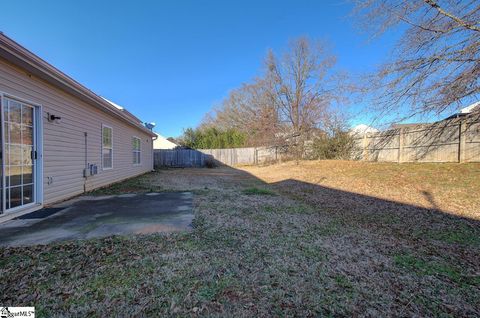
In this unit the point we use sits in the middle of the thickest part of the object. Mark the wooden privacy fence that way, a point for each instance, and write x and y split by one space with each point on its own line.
178 158
199 158
455 140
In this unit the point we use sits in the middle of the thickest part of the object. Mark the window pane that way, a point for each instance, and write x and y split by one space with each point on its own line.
27 155
15 196
107 161
15 174
136 143
15 134
27 194
27 174
107 158
106 151
7 176
15 114
7 133
5 111
107 137
27 115
27 135
14 153
7 198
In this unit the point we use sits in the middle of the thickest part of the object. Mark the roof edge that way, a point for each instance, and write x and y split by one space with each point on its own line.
25 59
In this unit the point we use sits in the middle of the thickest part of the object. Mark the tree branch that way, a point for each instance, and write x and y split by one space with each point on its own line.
461 22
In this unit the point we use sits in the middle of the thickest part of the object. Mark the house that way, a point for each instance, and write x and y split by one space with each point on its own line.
362 129
466 111
58 138
163 143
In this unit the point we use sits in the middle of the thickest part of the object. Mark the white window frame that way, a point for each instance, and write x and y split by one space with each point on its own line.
139 163
103 147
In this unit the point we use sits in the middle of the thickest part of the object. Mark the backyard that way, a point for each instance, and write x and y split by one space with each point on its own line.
321 238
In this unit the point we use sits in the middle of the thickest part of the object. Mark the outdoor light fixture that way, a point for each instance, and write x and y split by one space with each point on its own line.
52 117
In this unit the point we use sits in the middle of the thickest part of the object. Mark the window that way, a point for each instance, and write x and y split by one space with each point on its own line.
136 150
107 148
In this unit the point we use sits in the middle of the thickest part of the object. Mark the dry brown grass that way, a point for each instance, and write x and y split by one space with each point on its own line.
315 248
450 187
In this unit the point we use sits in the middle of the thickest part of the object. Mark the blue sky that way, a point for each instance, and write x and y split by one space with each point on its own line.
171 61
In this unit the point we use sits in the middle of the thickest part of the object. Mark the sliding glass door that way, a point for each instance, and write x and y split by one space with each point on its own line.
19 154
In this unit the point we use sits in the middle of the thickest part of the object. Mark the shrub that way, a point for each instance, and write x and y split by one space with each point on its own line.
339 145
210 163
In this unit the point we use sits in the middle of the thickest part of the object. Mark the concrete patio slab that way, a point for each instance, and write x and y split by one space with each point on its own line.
89 217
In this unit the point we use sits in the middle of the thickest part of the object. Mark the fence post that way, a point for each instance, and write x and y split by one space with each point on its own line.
462 126
365 150
401 142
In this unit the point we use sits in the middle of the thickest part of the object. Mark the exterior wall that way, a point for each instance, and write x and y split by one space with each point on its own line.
64 140
163 143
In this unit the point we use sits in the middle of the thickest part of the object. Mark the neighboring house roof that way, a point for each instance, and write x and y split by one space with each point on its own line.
362 129
475 107
163 143
34 65
470 109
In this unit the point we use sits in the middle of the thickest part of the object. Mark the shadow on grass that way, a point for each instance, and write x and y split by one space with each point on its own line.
327 252
412 223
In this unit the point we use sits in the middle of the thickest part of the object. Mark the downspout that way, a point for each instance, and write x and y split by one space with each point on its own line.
153 152
85 171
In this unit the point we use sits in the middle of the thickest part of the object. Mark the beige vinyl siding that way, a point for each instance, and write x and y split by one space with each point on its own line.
63 141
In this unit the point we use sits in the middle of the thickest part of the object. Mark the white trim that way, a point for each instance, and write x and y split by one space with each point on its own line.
20 99
2 141
37 176
139 151
38 113
101 152
15 214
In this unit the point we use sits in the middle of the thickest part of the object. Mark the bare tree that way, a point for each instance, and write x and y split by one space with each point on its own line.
249 109
303 88
288 104
435 66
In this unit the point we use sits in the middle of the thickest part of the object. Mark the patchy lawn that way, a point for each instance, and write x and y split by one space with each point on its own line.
322 238
448 187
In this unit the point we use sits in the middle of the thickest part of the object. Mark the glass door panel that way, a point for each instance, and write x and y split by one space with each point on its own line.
19 148
1 156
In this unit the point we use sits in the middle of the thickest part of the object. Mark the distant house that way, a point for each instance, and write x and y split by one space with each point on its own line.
163 143
473 108
362 130
58 138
